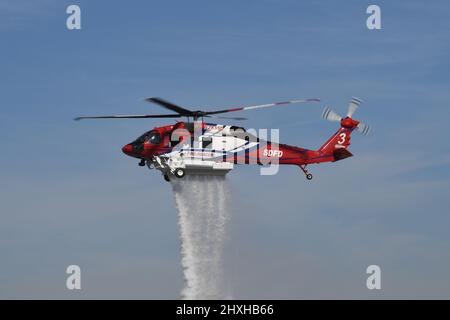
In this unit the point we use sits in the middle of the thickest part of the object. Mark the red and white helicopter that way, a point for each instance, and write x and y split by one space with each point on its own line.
206 148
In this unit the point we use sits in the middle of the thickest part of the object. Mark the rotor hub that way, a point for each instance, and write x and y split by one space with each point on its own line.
349 123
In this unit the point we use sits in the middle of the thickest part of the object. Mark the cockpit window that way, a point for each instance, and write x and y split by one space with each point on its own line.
154 138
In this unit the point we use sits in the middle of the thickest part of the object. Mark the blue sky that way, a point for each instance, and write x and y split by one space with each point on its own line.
69 196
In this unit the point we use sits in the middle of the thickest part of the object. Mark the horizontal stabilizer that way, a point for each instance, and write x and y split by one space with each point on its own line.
341 154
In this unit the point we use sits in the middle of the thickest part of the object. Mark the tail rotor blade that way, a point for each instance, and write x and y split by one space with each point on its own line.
363 128
353 106
330 115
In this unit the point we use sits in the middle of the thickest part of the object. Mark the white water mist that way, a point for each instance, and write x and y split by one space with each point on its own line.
202 203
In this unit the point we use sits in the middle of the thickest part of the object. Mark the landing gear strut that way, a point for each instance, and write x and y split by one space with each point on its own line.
308 175
141 163
166 177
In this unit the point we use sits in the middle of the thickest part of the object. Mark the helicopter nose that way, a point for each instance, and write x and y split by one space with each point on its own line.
127 149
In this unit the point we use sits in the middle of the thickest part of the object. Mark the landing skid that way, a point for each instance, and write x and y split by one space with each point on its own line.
308 175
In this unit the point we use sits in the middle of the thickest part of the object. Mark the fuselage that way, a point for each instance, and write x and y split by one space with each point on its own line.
215 142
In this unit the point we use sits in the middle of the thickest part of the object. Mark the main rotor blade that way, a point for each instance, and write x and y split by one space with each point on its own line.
353 106
170 106
228 118
261 106
130 116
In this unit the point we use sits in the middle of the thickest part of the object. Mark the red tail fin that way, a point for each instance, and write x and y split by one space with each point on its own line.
337 145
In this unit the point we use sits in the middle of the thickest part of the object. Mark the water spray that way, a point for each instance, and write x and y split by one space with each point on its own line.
202 203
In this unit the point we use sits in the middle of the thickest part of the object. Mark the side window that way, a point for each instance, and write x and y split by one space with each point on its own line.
207 143
174 141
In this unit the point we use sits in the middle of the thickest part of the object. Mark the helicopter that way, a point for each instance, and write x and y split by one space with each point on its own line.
199 147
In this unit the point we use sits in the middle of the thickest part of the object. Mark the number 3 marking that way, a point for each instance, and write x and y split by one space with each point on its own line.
343 136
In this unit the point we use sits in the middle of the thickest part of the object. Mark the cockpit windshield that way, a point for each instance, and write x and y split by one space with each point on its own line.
152 136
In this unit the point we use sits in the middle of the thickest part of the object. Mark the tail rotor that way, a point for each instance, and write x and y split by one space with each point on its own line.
330 115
